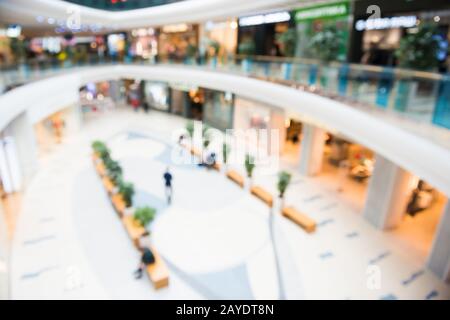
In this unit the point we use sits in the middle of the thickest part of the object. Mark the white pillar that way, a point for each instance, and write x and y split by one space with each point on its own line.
388 194
311 150
73 118
22 131
439 258
277 122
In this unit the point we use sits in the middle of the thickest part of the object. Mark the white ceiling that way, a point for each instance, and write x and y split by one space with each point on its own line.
25 12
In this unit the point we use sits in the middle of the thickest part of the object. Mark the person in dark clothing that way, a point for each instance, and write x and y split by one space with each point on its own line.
168 184
147 259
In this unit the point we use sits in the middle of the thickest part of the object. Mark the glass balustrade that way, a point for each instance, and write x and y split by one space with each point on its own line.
423 97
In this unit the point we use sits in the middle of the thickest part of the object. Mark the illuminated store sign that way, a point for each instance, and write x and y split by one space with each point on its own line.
386 23
174 28
265 18
13 31
326 11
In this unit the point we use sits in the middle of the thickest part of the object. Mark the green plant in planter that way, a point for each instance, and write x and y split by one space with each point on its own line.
190 127
127 192
225 151
144 215
249 165
289 41
98 145
116 178
206 136
284 179
419 50
113 167
325 44
247 48
215 47
101 149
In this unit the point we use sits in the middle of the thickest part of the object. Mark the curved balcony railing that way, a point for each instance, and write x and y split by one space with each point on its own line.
422 97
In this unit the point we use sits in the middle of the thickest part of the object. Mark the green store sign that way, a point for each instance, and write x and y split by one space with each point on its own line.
325 11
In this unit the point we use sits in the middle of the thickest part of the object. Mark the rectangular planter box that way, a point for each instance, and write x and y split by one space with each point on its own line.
119 204
108 184
158 272
134 229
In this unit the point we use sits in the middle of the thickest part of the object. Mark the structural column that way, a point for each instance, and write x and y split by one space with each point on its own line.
74 118
21 130
277 138
388 194
439 258
311 150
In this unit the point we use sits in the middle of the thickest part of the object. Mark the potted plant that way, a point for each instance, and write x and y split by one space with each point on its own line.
206 137
190 127
325 46
247 48
213 51
288 41
99 149
191 53
416 51
143 216
226 149
126 190
284 179
249 167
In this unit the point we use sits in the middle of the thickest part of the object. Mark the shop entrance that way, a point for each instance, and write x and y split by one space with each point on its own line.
423 213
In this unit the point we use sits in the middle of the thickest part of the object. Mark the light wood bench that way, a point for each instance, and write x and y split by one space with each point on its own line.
308 224
263 195
100 168
108 184
158 272
236 177
119 204
216 166
134 229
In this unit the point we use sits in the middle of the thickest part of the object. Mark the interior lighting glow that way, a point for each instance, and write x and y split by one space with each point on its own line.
265 18
386 23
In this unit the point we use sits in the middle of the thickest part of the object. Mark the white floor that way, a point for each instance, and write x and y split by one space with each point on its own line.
215 237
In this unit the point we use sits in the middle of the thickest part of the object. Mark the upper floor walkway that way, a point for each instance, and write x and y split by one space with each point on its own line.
402 115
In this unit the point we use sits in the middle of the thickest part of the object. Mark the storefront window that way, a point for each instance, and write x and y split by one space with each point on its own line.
218 109
313 20
157 95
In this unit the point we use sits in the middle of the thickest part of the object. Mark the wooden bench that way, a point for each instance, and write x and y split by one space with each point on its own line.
100 168
134 229
263 195
108 184
119 204
158 272
216 166
236 177
308 224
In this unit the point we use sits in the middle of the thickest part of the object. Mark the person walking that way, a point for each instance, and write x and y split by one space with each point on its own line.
168 184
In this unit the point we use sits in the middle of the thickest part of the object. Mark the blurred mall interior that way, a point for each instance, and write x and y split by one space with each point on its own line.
257 149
